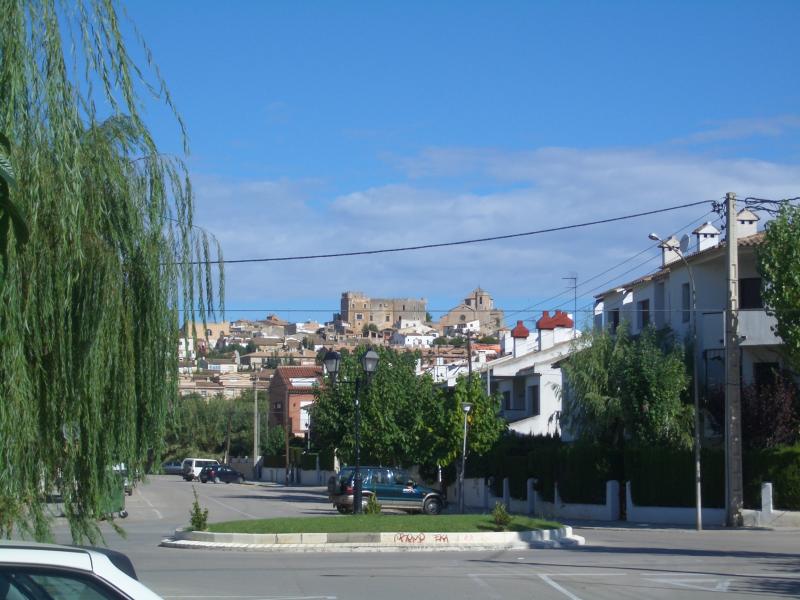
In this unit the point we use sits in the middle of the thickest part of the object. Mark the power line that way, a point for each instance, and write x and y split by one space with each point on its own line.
446 244
627 260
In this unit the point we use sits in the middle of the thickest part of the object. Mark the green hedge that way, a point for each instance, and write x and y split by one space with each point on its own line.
308 461
665 477
274 461
781 467
583 471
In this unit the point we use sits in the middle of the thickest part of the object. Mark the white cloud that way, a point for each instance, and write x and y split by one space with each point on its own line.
545 187
744 128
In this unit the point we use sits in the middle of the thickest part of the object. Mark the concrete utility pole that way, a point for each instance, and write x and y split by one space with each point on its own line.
255 424
733 400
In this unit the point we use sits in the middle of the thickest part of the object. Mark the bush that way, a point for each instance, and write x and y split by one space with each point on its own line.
274 461
500 516
665 476
781 467
583 470
198 517
308 462
373 507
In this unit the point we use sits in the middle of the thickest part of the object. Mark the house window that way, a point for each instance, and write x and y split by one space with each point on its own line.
387 318
359 317
750 293
519 395
370 318
643 313
613 319
685 303
507 400
533 392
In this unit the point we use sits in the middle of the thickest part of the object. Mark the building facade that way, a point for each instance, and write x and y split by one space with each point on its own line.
358 309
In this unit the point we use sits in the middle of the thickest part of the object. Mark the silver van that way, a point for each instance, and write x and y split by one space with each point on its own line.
190 468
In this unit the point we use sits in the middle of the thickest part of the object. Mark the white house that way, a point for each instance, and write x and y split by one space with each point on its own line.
663 299
527 377
186 349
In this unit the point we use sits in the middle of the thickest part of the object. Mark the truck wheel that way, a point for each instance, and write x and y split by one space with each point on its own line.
342 509
123 514
432 506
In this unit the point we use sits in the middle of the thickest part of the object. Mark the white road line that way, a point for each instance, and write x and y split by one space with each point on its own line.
241 512
719 585
150 504
554 585
487 589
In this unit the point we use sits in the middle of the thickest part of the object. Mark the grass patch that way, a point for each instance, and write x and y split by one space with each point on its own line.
379 523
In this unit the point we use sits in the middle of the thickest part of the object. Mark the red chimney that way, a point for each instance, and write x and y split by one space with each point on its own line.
520 331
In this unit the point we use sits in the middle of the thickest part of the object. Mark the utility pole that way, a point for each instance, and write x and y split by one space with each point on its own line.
733 400
255 425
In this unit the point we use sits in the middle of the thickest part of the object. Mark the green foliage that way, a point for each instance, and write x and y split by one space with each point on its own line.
620 388
428 317
584 469
90 305
665 476
371 327
778 257
275 461
198 517
308 461
404 418
781 467
373 506
500 516
198 426
274 440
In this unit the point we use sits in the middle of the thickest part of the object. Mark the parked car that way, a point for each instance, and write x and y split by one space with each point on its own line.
191 467
31 571
392 487
173 467
218 473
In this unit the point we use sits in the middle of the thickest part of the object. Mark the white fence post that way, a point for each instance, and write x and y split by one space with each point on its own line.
766 497
612 500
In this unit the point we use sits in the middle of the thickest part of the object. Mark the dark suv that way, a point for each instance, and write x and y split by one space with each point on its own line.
217 473
392 487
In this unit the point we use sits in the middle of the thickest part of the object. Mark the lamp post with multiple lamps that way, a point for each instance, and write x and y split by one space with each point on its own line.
695 381
369 362
465 407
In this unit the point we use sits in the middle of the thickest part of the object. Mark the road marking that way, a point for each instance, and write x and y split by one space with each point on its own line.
720 585
485 586
241 512
554 585
150 504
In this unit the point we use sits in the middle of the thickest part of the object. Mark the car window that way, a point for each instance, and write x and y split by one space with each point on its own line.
56 585
401 477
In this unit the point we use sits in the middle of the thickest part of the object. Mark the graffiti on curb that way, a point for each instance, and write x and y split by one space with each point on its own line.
420 538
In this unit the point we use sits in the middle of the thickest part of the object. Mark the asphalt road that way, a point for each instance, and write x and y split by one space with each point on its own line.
615 564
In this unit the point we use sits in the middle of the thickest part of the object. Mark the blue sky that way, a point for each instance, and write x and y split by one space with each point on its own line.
323 127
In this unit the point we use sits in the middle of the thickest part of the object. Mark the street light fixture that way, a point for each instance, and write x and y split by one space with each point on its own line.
465 407
369 362
695 382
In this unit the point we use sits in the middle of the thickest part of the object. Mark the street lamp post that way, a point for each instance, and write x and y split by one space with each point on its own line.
695 383
369 362
465 407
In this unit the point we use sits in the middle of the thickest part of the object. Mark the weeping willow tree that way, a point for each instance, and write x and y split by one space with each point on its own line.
90 304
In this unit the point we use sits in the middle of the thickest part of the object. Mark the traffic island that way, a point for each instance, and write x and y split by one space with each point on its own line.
374 542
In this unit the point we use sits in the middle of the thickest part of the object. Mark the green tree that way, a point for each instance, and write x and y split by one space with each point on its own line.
618 388
370 327
405 419
778 260
90 305
275 440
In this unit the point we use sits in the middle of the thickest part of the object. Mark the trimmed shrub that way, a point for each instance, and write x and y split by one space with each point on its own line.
308 462
326 460
665 476
583 470
274 461
781 467
543 466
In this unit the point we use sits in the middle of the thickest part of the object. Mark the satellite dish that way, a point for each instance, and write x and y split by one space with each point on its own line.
685 243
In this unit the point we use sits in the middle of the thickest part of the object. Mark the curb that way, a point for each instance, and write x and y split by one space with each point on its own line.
374 542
